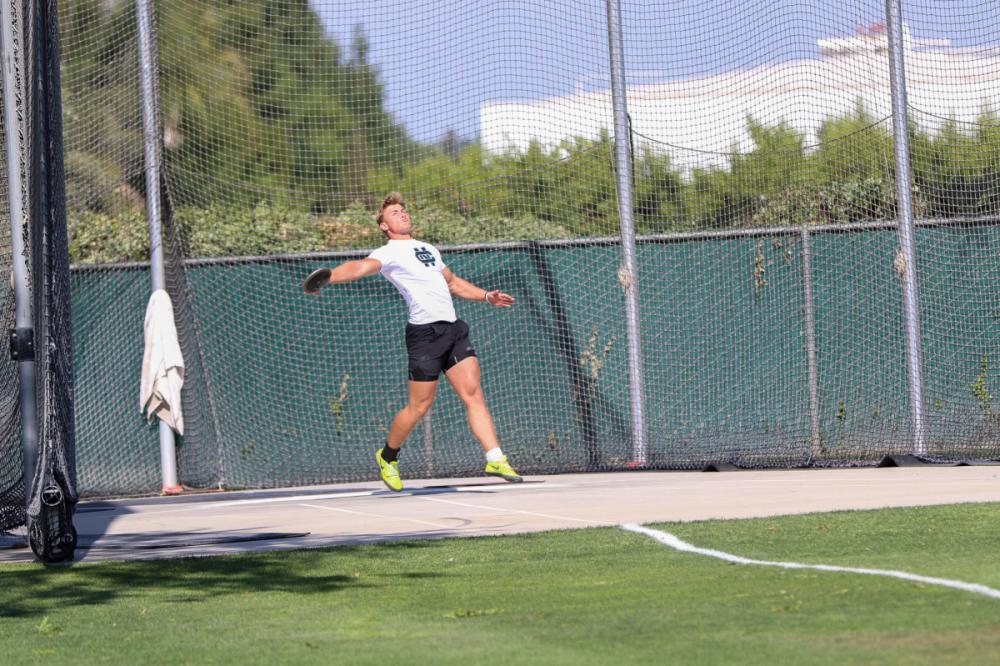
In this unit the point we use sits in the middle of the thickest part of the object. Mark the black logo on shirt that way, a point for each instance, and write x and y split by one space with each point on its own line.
424 255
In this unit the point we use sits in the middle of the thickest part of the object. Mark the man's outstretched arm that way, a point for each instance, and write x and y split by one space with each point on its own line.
465 289
349 271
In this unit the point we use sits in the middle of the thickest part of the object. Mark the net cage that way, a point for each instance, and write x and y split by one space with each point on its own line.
38 476
771 319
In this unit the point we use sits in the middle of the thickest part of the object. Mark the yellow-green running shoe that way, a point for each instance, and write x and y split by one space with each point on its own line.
503 469
389 472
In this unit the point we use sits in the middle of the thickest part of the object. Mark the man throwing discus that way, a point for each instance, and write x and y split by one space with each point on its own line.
437 341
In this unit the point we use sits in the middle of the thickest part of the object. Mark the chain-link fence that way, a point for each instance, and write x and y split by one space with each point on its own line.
771 318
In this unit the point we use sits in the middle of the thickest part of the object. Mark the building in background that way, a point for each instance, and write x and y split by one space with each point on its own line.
699 121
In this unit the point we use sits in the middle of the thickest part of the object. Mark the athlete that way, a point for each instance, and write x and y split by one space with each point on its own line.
436 339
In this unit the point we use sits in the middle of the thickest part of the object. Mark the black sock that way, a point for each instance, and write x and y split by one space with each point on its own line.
389 454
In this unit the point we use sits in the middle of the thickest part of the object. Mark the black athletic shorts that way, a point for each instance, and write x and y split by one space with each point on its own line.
436 347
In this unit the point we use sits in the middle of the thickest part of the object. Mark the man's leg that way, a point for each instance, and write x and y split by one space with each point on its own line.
464 378
421 397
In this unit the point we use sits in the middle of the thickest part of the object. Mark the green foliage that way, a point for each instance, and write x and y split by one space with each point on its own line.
839 202
444 227
353 227
99 238
660 197
276 139
572 186
459 182
957 169
980 388
227 230
233 230
583 596
257 104
777 161
218 230
99 183
337 403
855 147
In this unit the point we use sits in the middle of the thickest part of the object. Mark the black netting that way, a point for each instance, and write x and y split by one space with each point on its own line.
12 495
764 187
47 510
11 484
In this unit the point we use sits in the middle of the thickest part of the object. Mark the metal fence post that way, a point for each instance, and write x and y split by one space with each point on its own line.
628 273
816 448
22 337
908 253
151 145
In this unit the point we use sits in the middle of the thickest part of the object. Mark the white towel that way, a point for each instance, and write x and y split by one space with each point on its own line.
162 364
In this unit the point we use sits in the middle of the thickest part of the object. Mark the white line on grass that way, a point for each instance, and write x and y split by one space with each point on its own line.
668 539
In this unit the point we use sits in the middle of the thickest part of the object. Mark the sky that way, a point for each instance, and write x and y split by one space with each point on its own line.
439 60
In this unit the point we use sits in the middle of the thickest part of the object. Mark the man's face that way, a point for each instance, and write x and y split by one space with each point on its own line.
396 220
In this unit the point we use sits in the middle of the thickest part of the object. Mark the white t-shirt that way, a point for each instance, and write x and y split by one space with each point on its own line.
417 271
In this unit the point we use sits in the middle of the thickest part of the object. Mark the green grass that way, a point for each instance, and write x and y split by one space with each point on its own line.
595 596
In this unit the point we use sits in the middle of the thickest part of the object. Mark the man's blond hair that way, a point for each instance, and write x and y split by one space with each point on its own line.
391 199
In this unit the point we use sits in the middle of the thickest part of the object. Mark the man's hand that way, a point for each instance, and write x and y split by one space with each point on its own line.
499 299
316 281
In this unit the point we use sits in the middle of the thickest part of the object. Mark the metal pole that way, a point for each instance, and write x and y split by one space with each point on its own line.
901 143
817 444
22 337
628 273
151 144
